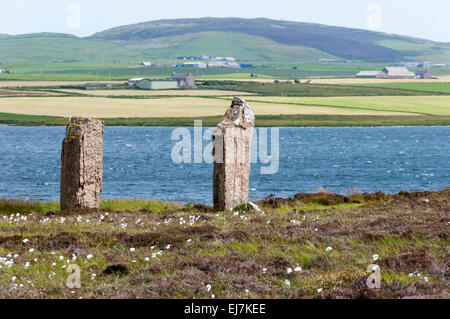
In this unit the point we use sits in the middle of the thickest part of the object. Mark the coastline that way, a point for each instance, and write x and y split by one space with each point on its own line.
262 121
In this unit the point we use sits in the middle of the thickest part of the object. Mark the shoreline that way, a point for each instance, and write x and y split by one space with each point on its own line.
262 121
143 203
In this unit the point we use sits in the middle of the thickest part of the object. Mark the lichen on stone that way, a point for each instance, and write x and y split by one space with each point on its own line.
239 114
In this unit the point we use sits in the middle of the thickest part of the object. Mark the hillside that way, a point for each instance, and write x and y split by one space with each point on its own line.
251 40
60 48
345 43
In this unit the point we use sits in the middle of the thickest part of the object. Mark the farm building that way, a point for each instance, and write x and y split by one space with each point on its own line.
424 74
185 81
218 64
200 65
2 71
135 81
369 74
157 84
224 64
397 73
327 60
149 64
177 81
234 65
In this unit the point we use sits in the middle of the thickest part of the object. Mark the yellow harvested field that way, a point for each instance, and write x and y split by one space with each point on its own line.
157 92
164 107
49 83
440 79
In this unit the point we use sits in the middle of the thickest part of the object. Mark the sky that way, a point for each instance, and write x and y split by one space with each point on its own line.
417 18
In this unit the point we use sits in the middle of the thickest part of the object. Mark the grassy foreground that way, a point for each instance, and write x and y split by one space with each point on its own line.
310 246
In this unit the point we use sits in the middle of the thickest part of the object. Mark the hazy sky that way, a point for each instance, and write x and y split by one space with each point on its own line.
426 19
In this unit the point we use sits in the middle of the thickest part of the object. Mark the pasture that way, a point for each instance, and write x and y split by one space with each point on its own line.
443 87
354 80
428 105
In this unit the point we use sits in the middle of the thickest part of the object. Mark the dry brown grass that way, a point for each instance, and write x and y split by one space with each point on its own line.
24 84
161 107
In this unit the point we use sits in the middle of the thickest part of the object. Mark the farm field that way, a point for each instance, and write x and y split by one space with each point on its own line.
290 88
443 87
139 249
430 105
354 80
165 107
156 92
14 93
55 83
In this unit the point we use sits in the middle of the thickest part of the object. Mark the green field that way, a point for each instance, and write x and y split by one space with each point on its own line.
283 88
427 87
261 121
61 48
426 105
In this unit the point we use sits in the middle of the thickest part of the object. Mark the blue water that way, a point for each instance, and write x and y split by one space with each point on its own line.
137 163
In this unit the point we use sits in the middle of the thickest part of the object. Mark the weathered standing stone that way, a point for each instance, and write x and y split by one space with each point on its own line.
231 149
82 164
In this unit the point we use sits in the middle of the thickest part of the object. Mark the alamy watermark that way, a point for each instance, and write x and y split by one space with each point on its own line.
374 279
187 149
374 17
74 278
73 16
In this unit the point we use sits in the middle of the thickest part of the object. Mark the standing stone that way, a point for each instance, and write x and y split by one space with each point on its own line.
82 164
231 149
